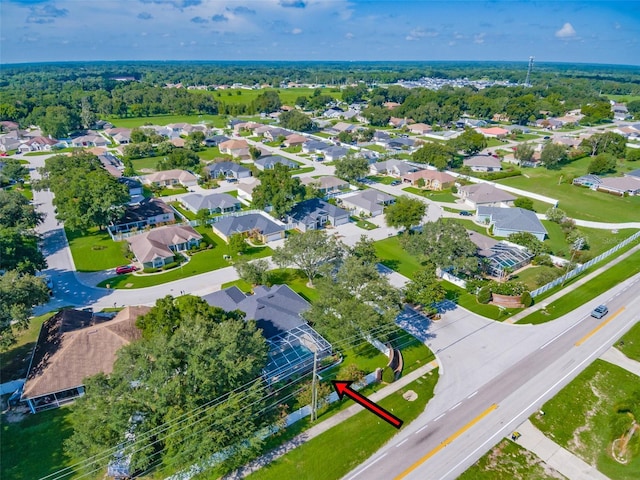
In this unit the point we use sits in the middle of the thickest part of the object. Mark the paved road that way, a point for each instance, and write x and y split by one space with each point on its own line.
494 376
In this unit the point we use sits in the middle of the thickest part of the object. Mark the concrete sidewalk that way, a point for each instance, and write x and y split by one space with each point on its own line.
573 286
615 356
555 456
328 423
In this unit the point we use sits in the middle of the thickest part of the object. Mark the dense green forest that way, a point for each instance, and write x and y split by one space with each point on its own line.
63 97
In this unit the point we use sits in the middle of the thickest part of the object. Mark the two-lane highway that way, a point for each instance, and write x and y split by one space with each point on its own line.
444 446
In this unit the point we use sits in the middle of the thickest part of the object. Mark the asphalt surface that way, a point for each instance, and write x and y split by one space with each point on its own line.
475 406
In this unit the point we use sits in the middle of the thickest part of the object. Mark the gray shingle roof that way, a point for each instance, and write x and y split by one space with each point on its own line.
271 160
311 209
223 167
514 219
212 201
245 223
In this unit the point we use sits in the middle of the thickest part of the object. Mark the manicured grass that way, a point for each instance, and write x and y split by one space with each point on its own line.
630 343
320 458
555 240
444 196
623 98
471 225
364 224
95 251
52 152
382 179
15 361
167 192
287 96
494 142
602 240
298 171
584 293
578 202
149 163
528 275
508 461
214 120
582 418
183 211
295 149
201 262
32 448
211 153
376 148
538 205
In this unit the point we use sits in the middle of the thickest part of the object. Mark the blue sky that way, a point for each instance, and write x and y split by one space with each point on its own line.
560 31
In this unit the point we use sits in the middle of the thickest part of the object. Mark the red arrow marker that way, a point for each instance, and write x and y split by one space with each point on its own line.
343 388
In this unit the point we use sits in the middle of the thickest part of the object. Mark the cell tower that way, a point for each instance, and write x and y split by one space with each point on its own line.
526 82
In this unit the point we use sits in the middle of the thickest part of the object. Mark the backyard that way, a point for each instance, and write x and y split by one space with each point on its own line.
201 262
95 251
219 121
584 418
443 196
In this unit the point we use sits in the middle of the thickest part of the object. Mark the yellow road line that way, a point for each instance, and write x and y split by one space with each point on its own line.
590 334
447 441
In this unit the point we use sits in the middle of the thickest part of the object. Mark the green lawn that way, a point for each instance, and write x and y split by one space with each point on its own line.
376 148
623 98
508 461
183 211
528 276
287 96
95 251
443 196
555 240
294 149
211 153
578 202
296 279
630 343
201 262
149 163
298 171
586 292
364 224
582 418
15 361
471 225
382 179
169 191
32 448
320 459
494 142
219 121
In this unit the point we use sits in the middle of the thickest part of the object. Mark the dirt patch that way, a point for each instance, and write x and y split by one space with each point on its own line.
576 444
410 396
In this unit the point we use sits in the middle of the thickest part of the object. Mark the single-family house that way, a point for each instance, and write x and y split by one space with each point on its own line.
227 170
315 146
277 311
400 143
390 105
485 194
314 214
433 179
342 127
333 112
9 142
147 213
392 167
294 140
213 202
506 221
269 162
178 142
627 185
255 224
89 141
482 163
369 203
400 122
549 123
122 138
158 247
273 133
215 140
327 184
633 173
8 125
135 188
236 148
332 154
245 190
380 137
170 178
420 128
73 345
494 132
38 144
500 257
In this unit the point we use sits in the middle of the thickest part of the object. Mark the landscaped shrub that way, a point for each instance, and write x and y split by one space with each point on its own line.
499 175
150 270
526 299
454 189
543 259
508 288
171 265
474 284
484 294
388 375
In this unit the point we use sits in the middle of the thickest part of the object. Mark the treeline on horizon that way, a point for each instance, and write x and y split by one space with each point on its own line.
63 97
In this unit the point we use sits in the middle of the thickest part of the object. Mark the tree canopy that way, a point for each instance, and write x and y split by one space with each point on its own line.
437 154
470 142
425 288
553 156
406 212
279 190
351 168
295 120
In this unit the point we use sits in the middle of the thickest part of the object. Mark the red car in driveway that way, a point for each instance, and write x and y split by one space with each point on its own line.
125 269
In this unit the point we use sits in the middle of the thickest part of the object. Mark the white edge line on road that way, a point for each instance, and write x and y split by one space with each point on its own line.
560 334
438 417
455 406
473 394
402 442
499 432
370 465
422 428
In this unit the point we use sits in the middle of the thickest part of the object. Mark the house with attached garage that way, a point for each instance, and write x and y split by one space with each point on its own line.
38 144
170 178
158 247
73 345
420 128
148 213
314 214
215 140
269 162
235 148
482 163
135 189
326 184
332 154
628 185
245 190
506 221
485 194
259 225
315 146
367 203
392 167
89 141
227 170
213 202
294 140
433 179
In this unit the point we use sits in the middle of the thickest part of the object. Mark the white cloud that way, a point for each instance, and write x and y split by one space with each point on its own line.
349 35
418 33
566 32
479 38
296 31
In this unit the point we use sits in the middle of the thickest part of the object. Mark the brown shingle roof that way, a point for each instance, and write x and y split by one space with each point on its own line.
74 345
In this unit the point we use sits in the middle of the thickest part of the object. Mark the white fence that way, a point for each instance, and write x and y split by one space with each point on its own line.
453 279
583 267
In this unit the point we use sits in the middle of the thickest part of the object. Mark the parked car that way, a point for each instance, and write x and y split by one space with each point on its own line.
465 213
395 182
600 311
125 269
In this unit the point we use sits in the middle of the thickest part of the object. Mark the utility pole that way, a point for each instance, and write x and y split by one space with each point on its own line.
314 389
577 245
527 81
